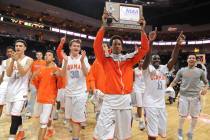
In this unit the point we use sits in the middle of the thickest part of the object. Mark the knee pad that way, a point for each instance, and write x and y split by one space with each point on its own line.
15 123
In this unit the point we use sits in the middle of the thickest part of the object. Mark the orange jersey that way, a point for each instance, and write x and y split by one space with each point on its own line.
97 76
118 73
37 64
47 85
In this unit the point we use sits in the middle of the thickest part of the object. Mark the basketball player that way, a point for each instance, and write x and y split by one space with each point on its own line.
37 64
190 91
76 96
155 85
115 116
5 78
47 81
18 69
138 91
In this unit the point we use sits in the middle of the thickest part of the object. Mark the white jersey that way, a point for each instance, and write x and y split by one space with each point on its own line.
18 85
5 81
138 85
76 84
155 82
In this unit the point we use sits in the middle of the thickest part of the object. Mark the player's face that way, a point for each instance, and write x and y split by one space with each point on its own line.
116 46
20 48
49 57
75 48
141 63
156 60
191 60
39 55
9 52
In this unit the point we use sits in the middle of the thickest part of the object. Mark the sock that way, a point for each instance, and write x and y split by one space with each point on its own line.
192 125
181 122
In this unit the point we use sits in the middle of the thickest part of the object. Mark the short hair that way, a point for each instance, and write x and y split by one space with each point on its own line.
50 51
39 52
79 41
10 47
22 41
191 54
115 37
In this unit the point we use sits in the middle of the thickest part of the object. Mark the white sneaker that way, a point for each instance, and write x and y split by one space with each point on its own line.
141 125
180 134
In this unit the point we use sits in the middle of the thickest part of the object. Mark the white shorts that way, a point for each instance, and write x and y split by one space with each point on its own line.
3 92
2 99
45 112
113 123
156 121
136 99
189 106
75 108
15 108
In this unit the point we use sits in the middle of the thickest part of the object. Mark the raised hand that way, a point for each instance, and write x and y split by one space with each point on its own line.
142 23
83 53
15 56
63 40
153 35
180 39
105 15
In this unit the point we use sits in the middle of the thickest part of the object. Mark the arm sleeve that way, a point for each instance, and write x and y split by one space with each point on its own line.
178 76
204 77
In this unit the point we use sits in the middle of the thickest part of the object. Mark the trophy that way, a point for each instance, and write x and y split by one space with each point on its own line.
123 16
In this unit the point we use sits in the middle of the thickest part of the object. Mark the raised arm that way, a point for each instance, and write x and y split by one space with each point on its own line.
175 53
24 69
152 37
83 63
97 45
142 51
10 65
59 50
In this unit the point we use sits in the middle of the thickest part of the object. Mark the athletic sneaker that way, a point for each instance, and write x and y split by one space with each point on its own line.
20 135
28 115
180 134
50 132
64 122
70 129
141 125
189 136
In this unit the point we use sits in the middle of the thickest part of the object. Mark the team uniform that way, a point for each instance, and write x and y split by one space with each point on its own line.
3 85
17 91
36 65
138 88
115 116
189 101
154 100
47 86
75 90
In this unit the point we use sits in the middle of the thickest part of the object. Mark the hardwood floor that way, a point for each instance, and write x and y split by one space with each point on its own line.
31 126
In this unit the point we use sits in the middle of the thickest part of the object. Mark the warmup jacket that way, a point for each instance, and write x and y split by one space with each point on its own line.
118 70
